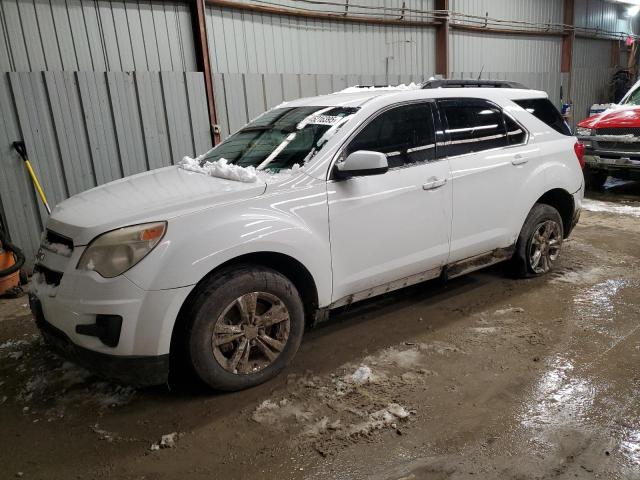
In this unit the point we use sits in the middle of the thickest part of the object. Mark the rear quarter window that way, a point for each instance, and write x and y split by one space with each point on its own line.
545 111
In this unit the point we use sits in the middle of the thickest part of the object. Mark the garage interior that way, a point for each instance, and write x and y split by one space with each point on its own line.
499 378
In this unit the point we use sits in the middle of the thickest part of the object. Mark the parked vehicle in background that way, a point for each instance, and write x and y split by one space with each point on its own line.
318 203
612 141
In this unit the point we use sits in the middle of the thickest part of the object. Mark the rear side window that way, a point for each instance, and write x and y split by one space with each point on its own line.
473 126
405 134
544 110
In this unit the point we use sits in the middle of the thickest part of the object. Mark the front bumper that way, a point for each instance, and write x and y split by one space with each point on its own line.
139 371
618 166
69 310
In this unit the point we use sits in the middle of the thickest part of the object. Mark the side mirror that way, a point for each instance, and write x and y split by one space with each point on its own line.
361 163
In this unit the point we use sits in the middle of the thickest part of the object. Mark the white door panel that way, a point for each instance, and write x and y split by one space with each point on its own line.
489 165
486 190
387 227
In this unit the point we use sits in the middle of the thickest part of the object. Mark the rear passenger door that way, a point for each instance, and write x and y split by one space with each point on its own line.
489 164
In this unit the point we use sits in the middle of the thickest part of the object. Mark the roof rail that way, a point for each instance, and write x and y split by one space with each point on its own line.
472 84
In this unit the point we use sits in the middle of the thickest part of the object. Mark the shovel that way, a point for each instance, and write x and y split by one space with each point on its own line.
22 151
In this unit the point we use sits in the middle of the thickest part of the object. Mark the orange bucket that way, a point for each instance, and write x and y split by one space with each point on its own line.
10 281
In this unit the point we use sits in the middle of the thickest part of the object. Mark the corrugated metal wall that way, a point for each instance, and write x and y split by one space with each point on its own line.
95 35
599 15
538 11
248 42
85 122
591 75
533 61
83 129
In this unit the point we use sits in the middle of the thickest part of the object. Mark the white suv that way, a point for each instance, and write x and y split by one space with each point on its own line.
223 260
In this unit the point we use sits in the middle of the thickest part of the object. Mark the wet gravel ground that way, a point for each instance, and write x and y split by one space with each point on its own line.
485 377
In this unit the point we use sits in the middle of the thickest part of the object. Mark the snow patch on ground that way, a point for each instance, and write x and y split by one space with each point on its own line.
223 169
411 86
49 387
508 310
610 207
591 275
275 413
362 375
170 440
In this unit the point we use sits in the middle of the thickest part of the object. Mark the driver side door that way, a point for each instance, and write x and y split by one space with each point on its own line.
394 226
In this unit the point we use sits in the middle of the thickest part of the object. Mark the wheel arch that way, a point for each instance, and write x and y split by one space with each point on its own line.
288 266
564 203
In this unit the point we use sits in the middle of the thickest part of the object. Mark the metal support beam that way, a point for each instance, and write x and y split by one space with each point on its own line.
442 38
567 40
204 65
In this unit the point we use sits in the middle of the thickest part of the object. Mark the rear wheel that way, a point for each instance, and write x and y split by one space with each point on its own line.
247 324
595 179
539 242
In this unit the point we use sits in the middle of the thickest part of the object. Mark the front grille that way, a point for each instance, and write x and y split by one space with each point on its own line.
51 277
620 146
635 131
53 237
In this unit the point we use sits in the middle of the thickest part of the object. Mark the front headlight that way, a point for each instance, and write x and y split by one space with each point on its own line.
583 132
113 253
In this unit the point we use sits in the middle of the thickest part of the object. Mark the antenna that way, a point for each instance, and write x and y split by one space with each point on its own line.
480 74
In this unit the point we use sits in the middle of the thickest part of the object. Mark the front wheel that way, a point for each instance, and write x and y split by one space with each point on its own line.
539 242
246 325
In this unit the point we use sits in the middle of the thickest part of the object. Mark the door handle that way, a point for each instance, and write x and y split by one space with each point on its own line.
519 160
434 183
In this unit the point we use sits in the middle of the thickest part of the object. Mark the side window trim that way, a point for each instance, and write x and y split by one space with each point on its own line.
446 140
433 109
527 135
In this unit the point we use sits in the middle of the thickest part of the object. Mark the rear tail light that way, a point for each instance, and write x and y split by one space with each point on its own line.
579 149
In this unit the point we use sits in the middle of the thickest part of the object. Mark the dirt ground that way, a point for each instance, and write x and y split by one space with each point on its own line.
485 377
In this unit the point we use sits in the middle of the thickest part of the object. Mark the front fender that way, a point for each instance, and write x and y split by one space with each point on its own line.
289 221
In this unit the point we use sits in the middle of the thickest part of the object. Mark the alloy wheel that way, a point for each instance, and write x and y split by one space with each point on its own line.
545 246
251 333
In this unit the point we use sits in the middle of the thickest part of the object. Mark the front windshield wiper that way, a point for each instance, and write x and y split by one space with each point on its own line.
256 128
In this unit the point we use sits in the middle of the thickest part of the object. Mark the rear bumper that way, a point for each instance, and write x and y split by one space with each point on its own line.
132 370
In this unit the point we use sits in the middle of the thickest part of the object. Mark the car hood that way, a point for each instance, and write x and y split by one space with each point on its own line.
617 116
150 196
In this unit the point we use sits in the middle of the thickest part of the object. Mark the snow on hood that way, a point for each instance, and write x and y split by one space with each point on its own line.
223 169
411 86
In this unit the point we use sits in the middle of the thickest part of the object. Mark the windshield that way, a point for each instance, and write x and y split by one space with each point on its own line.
281 138
633 98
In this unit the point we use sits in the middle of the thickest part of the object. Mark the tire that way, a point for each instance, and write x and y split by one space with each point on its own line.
533 238
242 308
595 179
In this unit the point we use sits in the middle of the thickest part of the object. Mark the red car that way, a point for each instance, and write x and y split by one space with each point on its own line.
612 141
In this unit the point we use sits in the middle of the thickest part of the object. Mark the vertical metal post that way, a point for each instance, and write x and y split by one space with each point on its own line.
204 65
442 38
566 63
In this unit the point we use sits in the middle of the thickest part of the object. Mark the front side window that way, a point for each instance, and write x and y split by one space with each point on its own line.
404 134
473 126
281 138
